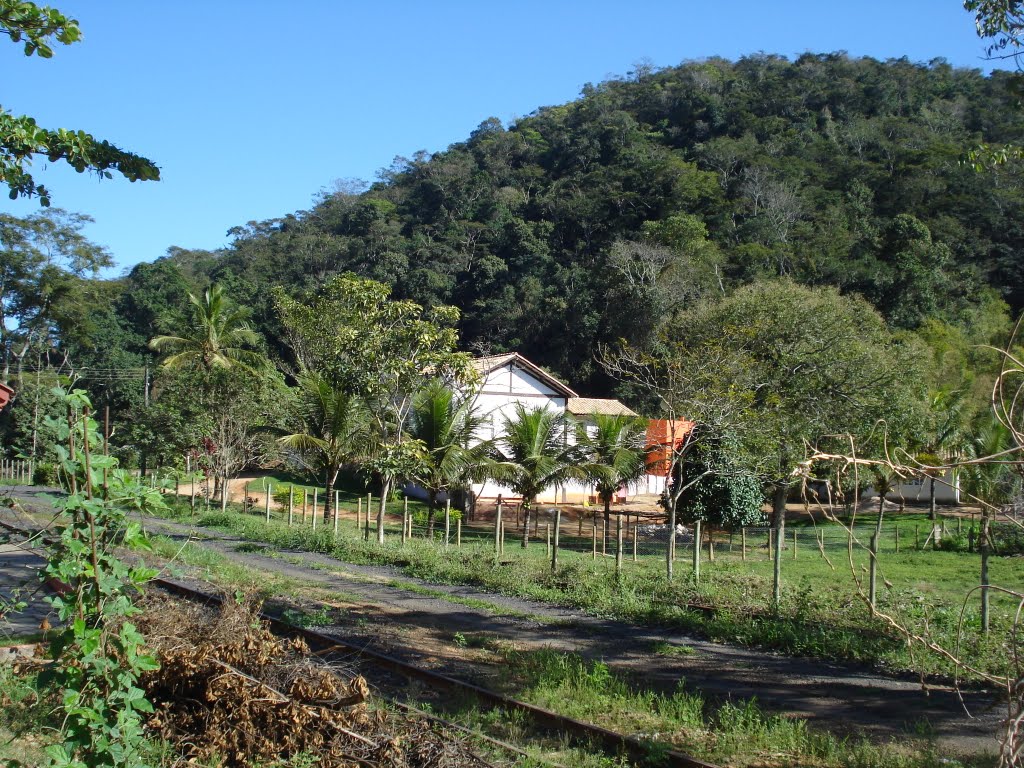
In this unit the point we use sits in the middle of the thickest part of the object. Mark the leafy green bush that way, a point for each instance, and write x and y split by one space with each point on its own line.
44 473
281 493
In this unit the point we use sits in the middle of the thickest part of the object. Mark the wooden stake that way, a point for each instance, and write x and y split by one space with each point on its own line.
291 505
595 538
696 550
743 542
547 539
618 543
337 512
554 547
305 493
269 489
314 507
405 519
447 522
359 511
458 533
897 539
634 541
794 544
497 530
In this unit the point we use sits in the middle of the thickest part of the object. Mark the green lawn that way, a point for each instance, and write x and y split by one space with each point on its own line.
821 613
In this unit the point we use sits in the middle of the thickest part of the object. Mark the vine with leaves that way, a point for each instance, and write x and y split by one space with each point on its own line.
98 653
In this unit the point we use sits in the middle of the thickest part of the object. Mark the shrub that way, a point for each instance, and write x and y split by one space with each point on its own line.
281 493
44 474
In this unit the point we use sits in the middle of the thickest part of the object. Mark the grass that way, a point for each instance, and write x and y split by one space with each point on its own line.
820 615
734 733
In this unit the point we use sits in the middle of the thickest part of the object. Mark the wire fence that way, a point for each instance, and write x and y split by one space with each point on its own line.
624 539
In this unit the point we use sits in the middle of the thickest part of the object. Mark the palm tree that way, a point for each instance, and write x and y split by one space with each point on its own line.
534 454
220 337
615 453
219 341
446 425
336 430
946 408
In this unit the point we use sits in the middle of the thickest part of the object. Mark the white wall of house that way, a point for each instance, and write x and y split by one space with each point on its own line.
502 389
916 490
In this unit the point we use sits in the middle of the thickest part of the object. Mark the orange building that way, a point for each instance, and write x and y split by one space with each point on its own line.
663 437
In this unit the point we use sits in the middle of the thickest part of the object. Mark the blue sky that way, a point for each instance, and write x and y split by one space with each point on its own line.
250 108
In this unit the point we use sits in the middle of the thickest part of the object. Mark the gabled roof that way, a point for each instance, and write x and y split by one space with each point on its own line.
592 406
484 365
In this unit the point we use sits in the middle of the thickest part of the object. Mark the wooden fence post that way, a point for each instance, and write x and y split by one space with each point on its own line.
634 541
305 493
595 538
618 543
291 505
270 488
794 544
405 518
897 539
554 546
447 522
547 539
497 530
359 512
696 550
743 542
337 512
917 537
315 500
458 533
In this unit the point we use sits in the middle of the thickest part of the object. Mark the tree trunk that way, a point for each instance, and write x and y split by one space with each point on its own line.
332 478
527 505
779 527
431 506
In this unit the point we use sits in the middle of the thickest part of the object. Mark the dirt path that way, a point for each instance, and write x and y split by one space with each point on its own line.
419 620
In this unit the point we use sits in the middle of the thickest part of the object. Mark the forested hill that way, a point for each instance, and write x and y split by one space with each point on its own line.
594 220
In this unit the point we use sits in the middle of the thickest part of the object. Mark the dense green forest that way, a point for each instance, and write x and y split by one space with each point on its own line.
599 220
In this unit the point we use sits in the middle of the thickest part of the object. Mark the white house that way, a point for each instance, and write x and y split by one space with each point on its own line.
510 379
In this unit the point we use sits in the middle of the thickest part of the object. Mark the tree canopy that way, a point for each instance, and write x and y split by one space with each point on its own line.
21 139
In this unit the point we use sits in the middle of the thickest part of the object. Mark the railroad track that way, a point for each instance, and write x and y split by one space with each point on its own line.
639 751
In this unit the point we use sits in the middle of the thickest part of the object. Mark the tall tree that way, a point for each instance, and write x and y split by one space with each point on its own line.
446 424
803 365
355 336
614 450
534 454
335 430
219 337
43 259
